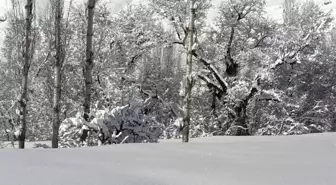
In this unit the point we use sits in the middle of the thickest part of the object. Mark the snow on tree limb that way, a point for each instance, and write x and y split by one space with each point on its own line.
210 83
309 39
269 95
170 107
219 78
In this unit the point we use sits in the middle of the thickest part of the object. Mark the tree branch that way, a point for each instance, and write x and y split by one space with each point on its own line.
269 99
289 58
212 84
150 95
209 66
257 44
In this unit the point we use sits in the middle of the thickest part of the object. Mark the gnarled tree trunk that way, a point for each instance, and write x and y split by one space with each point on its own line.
240 119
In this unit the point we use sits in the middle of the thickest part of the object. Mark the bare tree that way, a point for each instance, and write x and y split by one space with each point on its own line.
189 79
89 61
27 55
58 66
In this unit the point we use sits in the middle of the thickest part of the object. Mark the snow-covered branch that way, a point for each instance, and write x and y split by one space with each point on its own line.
219 78
210 83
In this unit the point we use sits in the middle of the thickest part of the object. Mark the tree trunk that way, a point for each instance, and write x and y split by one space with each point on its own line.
89 61
58 65
24 88
241 120
213 102
231 65
241 116
189 80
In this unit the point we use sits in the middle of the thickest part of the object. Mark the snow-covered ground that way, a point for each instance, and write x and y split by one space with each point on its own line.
286 160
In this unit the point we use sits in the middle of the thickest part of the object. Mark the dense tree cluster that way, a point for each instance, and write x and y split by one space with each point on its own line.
163 70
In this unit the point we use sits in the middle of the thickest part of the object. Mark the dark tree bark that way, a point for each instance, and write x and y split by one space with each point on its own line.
89 61
58 66
25 72
231 65
214 71
240 117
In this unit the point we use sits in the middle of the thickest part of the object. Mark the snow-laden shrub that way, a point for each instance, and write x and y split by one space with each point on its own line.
198 128
291 127
40 145
69 133
131 121
172 131
297 129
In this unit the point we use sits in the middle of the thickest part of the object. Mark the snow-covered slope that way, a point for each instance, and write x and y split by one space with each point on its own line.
291 160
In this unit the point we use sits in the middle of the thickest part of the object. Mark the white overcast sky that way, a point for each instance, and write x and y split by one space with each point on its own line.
273 7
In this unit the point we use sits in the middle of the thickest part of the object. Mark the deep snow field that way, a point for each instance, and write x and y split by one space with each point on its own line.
278 160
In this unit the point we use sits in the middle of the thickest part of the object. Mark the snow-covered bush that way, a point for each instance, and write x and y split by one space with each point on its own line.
70 132
172 131
130 121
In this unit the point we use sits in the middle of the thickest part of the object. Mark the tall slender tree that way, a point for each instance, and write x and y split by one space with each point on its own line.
58 66
89 61
189 80
25 71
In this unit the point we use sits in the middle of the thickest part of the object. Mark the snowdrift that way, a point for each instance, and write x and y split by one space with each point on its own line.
276 160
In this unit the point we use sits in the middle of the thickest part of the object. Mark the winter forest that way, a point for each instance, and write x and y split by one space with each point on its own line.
77 75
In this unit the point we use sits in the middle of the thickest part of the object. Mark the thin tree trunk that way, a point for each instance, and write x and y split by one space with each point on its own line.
24 88
281 127
89 61
58 65
213 102
189 80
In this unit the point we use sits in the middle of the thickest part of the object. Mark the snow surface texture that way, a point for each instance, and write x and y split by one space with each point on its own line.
278 160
